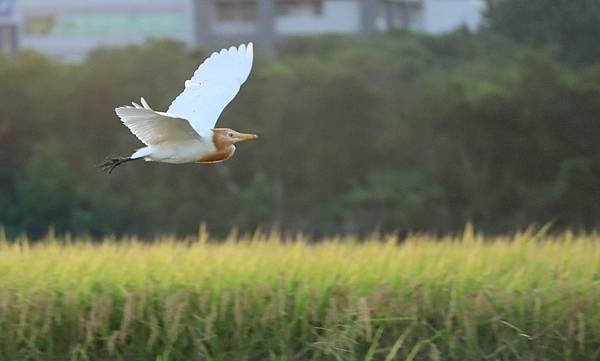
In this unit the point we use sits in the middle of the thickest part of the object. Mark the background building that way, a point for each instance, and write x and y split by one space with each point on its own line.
69 29
8 26
221 21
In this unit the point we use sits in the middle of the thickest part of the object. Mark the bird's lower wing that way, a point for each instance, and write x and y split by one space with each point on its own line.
152 127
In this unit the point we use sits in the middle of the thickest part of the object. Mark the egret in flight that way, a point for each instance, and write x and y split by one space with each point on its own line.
186 132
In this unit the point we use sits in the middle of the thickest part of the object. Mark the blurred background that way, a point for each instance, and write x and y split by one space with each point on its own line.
390 115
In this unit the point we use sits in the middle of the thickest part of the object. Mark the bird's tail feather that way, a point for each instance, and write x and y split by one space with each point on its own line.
141 153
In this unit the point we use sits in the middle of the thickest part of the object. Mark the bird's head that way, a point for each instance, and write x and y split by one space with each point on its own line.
230 136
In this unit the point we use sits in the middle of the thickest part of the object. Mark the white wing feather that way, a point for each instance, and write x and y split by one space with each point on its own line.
152 127
214 84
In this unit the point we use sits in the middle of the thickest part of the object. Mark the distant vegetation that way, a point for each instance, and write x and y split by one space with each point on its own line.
392 132
261 297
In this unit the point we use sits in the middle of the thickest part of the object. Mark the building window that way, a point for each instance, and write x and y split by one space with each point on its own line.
161 26
402 14
39 25
237 10
299 7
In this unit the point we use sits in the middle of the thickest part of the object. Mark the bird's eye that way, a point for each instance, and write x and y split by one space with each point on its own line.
230 135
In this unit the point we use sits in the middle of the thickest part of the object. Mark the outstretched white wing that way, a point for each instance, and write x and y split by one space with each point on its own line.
214 84
152 127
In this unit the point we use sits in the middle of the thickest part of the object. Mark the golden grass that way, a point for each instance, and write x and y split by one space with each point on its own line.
259 297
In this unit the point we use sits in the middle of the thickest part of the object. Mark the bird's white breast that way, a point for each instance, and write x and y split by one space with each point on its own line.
181 151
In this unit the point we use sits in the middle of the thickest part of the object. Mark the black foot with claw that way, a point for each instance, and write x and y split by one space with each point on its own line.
111 163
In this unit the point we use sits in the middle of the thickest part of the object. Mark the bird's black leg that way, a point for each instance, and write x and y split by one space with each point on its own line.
111 163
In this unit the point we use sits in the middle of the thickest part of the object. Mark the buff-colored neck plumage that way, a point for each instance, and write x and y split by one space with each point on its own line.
223 144
223 140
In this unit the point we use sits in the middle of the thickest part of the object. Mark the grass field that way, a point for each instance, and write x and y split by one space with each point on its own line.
523 297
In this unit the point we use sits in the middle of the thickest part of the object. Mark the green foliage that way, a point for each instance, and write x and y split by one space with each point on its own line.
263 297
398 131
401 199
573 26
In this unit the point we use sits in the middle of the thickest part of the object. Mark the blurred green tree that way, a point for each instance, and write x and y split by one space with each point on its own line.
573 26
398 131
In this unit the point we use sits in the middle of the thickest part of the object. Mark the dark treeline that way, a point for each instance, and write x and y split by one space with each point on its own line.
393 131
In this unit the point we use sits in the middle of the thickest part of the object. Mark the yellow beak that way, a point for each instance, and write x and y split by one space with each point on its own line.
243 136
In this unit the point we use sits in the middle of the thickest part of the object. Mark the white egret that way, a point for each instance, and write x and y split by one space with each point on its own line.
185 133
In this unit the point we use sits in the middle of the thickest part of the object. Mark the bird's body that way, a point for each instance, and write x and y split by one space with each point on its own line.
185 133
180 152
194 150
